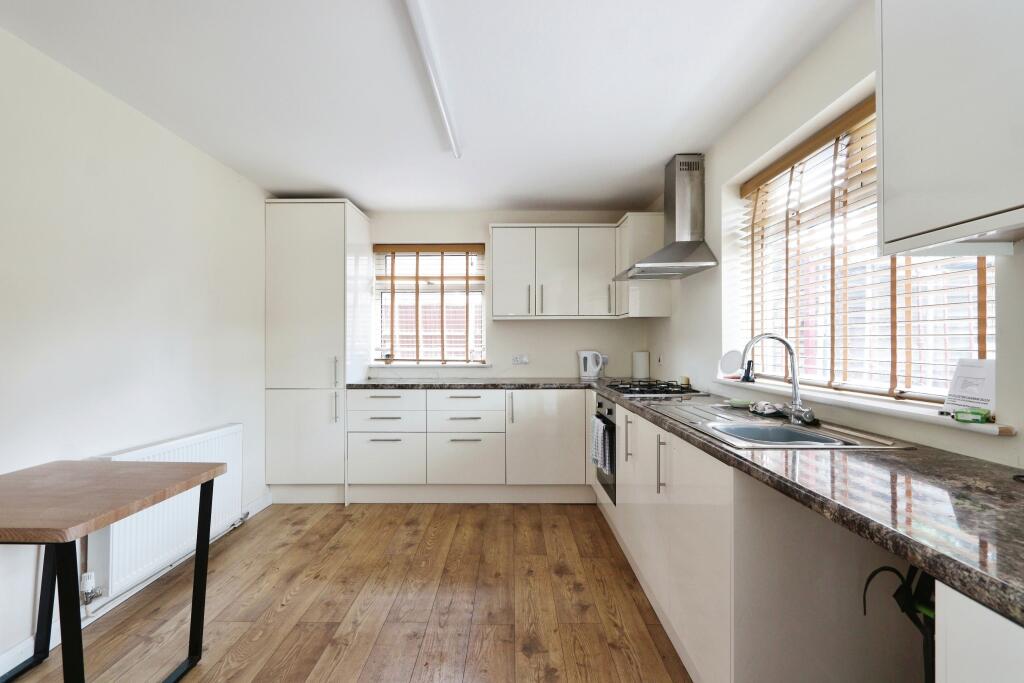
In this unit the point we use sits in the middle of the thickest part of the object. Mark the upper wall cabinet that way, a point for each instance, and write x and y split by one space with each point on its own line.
513 272
950 106
562 271
640 234
305 295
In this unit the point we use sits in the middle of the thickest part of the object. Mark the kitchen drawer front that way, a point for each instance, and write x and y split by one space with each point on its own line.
466 421
466 399
471 458
398 458
387 399
387 421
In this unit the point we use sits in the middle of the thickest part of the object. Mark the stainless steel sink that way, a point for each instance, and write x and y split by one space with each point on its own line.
742 430
781 435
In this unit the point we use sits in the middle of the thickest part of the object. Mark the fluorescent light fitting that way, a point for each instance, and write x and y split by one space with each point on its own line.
419 27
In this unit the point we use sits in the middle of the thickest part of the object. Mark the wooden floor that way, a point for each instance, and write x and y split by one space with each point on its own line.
397 593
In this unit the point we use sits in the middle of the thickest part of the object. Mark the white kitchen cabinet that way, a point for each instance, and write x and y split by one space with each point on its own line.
305 437
544 436
305 295
973 643
696 528
466 399
558 276
466 458
466 420
513 271
597 270
649 502
637 235
387 421
386 458
386 399
949 109
626 475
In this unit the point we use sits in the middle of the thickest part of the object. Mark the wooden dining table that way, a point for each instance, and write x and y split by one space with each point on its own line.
57 503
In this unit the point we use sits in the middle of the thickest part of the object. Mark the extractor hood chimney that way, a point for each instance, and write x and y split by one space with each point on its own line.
685 251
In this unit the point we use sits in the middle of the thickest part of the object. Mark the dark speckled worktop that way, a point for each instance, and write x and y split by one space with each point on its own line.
961 519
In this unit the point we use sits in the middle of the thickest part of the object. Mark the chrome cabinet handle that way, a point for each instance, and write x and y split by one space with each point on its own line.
466 396
628 422
383 396
512 407
466 418
463 440
335 371
529 298
541 311
386 440
375 417
657 472
336 406
610 297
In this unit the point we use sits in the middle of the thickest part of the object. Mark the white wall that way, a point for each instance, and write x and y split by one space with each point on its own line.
550 344
834 76
131 289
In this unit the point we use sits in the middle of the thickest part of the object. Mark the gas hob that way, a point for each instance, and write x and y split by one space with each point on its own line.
649 388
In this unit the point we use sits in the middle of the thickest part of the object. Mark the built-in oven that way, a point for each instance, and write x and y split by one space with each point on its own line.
606 414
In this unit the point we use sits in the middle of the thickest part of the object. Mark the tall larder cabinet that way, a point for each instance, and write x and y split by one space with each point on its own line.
314 248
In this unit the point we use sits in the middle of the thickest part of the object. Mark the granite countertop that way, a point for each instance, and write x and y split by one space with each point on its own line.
474 383
961 519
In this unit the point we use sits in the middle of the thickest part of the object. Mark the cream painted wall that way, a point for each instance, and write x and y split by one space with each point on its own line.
550 344
834 76
131 289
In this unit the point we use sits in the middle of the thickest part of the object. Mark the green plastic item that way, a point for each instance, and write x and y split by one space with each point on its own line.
739 403
973 415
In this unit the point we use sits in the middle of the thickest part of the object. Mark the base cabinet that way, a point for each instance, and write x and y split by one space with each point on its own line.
545 436
973 643
305 437
466 458
384 458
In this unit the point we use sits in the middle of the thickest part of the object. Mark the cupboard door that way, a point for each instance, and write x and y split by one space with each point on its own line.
648 501
544 436
597 268
973 643
305 437
305 319
396 458
696 529
950 116
558 271
513 258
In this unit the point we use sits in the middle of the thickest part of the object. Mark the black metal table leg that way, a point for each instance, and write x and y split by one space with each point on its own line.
44 620
195 633
70 612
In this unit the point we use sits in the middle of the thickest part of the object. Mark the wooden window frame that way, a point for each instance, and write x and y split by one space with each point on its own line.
391 251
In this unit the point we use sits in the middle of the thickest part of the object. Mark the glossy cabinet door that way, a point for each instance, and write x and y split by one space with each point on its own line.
695 528
545 436
973 643
513 272
649 501
558 277
305 437
950 111
626 426
305 270
637 235
597 268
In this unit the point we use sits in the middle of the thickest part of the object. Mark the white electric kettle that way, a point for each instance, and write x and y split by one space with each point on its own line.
591 363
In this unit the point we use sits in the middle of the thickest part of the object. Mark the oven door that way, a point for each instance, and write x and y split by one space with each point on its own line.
607 479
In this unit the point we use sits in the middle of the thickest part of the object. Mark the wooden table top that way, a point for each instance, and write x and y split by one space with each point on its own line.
66 499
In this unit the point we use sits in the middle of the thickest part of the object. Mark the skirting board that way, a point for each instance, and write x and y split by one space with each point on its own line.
433 493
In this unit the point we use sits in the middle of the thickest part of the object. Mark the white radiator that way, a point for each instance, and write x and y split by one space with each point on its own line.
128 552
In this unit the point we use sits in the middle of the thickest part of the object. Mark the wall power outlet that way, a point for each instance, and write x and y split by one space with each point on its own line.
520 359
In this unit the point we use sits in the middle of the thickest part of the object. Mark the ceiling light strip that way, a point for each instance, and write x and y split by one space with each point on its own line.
419 27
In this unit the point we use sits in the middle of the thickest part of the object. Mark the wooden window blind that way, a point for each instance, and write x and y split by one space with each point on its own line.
810 270
430 303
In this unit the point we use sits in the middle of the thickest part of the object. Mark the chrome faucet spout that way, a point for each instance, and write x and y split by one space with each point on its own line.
796 411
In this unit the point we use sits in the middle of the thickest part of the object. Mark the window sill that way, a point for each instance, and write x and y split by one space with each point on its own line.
908 410
413 366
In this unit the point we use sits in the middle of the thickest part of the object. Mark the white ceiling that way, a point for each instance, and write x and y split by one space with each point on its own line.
557 104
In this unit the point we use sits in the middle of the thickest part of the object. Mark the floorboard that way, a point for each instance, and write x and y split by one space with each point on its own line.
397 593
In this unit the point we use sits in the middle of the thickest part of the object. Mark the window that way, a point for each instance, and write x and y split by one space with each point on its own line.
893 325
430 303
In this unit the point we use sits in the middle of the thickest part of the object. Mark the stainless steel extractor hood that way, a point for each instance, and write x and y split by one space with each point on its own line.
685 251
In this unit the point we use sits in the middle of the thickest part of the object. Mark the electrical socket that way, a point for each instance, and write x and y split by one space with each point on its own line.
520 359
